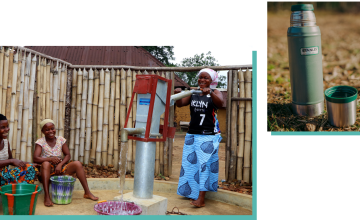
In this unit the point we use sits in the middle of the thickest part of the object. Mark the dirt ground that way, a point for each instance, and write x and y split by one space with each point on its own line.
340 34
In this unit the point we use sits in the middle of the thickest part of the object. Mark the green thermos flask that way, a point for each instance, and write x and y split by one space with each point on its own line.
305 62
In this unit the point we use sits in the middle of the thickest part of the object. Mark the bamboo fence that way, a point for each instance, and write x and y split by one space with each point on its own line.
99 98
238 162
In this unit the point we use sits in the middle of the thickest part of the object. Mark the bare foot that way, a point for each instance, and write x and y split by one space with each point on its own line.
198 203
90 196
48 202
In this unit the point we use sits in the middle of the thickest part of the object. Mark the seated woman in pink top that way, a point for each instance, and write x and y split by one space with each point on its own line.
48 151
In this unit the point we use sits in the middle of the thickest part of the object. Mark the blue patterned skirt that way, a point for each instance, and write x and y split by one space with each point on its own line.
200 165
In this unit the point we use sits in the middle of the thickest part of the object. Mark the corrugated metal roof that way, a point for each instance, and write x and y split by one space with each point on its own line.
101 55
180 83
105 55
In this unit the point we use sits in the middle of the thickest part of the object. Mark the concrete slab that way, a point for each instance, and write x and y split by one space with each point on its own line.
154 206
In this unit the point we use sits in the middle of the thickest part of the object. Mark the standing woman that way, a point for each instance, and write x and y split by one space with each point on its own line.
48 151
200 161
23 171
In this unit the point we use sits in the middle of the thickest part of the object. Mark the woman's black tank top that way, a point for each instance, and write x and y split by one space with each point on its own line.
202 111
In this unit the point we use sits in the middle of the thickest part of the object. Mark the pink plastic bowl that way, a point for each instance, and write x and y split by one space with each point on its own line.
113 207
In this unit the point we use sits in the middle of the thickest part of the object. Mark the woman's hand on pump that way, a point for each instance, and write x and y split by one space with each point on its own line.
206 91
177 90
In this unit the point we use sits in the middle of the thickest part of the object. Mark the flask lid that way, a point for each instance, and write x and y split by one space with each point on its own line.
302 7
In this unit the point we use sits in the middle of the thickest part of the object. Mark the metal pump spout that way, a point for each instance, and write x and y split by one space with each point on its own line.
126 131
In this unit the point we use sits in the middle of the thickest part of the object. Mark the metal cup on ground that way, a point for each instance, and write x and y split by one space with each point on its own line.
341 105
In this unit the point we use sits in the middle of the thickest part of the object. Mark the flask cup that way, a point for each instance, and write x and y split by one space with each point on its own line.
341 105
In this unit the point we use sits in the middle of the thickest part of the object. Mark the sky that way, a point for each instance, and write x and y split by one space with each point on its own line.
221 55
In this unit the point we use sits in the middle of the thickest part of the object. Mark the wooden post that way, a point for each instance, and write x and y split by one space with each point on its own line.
37 111
67 119
88 116
20 107
104 150
5 80
162 156
48 91
54 94
1 73
241 124
9 85
228 132
25 118
95 116
248 131
171 124
73 114
111 118
83 115
133 109
166 142
13 103
100 117
52 72
129 124
78 114
16 107
123 99
234 111
117 120
43 86
62 98
57 99
41 83
31 100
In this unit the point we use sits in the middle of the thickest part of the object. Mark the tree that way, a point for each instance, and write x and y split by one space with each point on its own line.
197 60
163 53
222 82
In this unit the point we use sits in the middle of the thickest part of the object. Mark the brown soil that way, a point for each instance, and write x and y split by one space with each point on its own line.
341 58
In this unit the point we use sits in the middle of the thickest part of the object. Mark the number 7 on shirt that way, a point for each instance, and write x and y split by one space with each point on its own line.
202 119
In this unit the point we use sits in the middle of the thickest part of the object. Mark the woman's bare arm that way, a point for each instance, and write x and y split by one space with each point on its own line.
217 98
66 151
11 161
182 102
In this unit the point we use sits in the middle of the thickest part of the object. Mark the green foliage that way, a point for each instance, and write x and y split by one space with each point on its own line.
271 66
163 53
279 80
197 60
222 82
